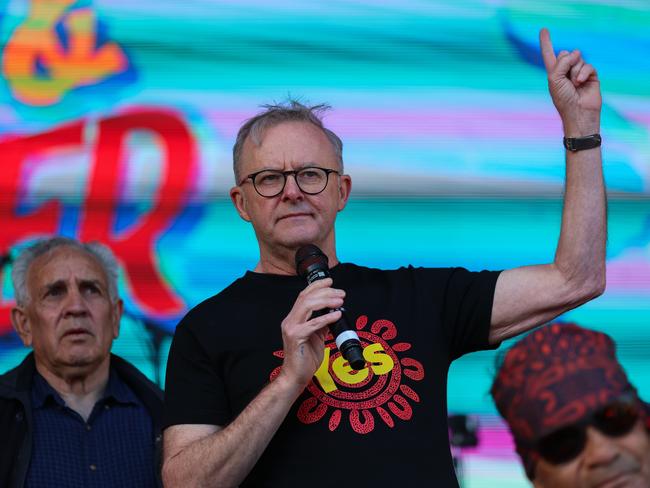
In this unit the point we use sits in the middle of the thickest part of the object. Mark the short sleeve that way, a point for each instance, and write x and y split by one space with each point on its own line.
467 310
194 392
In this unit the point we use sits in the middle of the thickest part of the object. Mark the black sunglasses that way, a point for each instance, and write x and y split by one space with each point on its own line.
614 420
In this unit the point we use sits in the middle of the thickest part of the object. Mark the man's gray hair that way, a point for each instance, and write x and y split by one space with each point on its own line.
289 111
101 253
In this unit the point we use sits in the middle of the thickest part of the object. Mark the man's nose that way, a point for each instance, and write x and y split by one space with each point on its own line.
291 189
75 304
600 449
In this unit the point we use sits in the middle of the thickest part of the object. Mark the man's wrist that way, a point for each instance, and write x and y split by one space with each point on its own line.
288 386
582 127
575 144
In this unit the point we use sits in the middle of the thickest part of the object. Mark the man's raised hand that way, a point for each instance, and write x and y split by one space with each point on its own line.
574 88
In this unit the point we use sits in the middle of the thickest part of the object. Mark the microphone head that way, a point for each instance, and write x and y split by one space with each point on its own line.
308 258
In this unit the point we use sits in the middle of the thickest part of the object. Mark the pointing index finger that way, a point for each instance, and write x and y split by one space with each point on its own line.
548 55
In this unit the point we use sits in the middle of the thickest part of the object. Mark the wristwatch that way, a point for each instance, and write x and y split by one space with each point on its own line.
574 144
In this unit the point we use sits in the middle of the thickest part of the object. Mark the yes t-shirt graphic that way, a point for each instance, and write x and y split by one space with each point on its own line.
380 392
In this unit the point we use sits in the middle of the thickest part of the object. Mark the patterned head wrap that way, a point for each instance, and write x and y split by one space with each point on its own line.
554 377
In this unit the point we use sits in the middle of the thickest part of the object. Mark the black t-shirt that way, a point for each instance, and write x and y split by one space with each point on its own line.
383 426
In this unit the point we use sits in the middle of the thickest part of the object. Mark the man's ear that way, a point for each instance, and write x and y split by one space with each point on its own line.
118 309
21 324
239 201
345 187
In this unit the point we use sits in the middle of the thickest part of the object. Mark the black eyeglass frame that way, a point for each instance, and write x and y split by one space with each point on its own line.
286 174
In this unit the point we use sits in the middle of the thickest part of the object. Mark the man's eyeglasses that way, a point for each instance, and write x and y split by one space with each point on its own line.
566 444
311 180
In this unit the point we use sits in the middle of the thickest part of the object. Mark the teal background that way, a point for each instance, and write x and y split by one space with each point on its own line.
451 139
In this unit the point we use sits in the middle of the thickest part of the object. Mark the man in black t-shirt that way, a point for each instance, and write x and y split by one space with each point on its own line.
256 393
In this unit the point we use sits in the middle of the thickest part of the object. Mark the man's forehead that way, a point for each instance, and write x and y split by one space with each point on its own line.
65 263
288 142
287 128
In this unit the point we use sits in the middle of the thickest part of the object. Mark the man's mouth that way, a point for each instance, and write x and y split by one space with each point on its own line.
77 332
616 481
294 215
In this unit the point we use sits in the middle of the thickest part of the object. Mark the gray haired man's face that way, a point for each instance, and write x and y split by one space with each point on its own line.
292 218
69 318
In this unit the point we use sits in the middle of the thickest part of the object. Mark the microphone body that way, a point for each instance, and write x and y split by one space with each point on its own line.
311 264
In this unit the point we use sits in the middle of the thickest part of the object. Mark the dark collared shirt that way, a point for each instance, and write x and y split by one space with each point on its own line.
115 447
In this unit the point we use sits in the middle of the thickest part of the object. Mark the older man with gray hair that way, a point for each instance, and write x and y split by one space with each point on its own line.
72 413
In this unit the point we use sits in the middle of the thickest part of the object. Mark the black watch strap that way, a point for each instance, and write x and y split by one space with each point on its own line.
580 143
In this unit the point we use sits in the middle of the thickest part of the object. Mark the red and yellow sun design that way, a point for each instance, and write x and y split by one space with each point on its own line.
379 388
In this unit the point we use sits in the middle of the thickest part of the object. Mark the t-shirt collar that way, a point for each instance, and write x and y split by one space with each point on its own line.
279 277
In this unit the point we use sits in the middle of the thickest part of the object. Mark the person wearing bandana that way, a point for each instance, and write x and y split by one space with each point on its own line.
576 419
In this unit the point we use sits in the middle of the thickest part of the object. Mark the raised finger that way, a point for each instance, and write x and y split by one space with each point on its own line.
548 55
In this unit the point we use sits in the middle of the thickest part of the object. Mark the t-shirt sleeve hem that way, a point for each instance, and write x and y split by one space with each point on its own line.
200 418
491 285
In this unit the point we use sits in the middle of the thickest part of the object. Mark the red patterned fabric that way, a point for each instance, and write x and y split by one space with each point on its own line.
553 377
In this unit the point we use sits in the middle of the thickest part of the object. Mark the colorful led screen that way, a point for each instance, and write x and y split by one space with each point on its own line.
118 118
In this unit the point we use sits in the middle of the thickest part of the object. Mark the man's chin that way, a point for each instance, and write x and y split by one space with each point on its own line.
81 359
301 237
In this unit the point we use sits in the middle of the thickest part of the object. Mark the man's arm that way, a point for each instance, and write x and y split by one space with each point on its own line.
210 455
529 296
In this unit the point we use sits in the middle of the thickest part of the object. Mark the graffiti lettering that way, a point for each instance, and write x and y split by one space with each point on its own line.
35 44
134 246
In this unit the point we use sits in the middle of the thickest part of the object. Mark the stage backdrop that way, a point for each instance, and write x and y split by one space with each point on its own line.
117 120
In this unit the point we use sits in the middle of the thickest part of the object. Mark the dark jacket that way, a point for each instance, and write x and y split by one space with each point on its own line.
16 422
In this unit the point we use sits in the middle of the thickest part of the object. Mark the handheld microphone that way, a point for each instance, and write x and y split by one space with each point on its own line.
311 263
